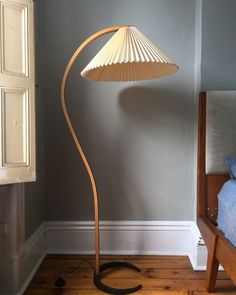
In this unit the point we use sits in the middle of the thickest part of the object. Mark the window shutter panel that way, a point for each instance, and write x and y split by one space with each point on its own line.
17 92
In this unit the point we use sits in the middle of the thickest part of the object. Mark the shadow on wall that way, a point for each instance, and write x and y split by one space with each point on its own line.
142 103
152 129
135 140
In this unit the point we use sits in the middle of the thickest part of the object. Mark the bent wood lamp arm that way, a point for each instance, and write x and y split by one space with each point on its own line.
127 56
75 138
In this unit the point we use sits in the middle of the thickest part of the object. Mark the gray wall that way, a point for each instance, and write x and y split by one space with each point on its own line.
139 137
34 191
5 265
218 45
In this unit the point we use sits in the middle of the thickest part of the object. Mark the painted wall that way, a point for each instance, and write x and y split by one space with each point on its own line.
5 266
139 137
34 191
218 45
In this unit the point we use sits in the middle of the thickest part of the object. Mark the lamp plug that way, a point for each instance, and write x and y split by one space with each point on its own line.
60 282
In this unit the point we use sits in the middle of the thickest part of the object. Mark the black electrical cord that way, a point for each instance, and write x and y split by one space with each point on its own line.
60 281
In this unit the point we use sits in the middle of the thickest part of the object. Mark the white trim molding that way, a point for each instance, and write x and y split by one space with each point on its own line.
198 256
117 237
31 257
129 238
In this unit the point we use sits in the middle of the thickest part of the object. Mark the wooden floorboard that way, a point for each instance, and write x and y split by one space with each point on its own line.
162 275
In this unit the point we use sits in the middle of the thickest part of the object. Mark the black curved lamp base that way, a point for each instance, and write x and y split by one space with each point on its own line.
110 290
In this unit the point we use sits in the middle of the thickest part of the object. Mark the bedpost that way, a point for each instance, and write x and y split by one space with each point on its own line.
208 235
201 173
210 181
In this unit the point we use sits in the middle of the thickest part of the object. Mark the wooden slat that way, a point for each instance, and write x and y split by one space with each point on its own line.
153 273
116 257
214 184
150 284
94 292
226 254
208 231
218 291
144 263
170 276
201 171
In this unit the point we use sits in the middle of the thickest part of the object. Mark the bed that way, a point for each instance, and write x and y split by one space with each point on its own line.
216 142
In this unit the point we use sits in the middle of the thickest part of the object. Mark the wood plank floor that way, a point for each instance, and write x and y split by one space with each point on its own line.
160 275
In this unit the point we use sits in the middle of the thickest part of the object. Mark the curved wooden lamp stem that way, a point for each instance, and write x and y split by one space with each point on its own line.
75 137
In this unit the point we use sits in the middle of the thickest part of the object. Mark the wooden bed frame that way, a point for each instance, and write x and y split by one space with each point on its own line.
220 250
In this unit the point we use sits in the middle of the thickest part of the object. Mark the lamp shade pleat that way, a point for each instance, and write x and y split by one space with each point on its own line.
129 56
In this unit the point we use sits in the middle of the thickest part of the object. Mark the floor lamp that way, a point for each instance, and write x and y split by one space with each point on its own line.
127 56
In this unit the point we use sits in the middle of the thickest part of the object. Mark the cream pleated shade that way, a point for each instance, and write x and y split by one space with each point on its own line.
129 56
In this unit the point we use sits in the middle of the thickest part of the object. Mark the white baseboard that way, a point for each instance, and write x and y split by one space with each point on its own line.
117 237
198 255
128 238
31 257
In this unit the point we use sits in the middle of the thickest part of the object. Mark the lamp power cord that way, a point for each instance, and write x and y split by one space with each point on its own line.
60 282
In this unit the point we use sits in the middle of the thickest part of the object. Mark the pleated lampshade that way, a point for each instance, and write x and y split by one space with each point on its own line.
129 56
